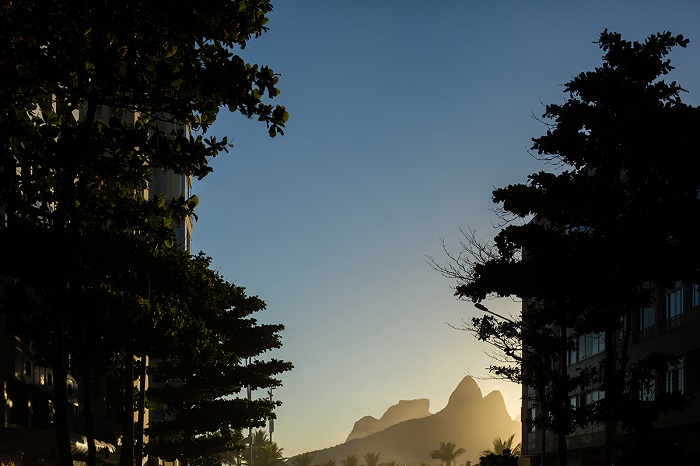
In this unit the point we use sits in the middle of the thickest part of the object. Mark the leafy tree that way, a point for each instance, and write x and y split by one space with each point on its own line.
447 452
200 394
500 445
87 94
529 347
617 217
328 463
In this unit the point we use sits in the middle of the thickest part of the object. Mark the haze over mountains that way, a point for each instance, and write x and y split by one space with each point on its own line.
407 432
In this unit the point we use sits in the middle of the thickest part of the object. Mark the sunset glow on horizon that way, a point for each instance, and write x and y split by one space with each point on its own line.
404 116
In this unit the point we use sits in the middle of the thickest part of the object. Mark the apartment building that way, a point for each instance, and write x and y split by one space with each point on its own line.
671 326
27 407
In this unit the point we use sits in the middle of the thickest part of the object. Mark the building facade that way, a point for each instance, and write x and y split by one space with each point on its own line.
670 326
27 431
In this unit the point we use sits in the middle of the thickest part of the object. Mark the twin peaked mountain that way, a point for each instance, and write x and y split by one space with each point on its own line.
407 432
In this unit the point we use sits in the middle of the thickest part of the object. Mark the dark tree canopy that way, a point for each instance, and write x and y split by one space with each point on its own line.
615 217
95 99
202 377
625 202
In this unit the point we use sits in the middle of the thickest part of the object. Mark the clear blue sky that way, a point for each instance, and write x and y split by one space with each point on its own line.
404 116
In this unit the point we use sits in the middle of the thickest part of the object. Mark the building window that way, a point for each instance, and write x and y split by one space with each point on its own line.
586 346
646 323
674 304
49 379
532 414
28 369
674 301
594 397
675 377
574 401
695 295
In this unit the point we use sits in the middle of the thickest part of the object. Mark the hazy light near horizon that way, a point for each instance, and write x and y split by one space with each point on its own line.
404 115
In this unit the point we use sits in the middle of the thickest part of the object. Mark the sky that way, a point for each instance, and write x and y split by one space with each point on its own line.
404 116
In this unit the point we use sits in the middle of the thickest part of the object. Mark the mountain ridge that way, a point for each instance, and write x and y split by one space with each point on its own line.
404 410
469 419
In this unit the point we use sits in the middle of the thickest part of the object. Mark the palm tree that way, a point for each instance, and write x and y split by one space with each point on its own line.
305 459
265 452
350 460
447 452
371 459
499 445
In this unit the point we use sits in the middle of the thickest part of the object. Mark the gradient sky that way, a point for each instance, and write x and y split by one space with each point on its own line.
404 116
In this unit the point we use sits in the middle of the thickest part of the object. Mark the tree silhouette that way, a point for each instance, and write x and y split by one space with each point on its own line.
305 459
504 459
616 218
201 415
371 459
68 176
499 445
350 460
447 452
266 452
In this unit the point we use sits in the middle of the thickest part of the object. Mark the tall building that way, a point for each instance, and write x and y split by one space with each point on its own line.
27 427
671 326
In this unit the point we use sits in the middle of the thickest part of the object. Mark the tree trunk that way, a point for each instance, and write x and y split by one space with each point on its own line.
60 360
139 438
89 416
60 398
611 396
127 454
563 401
563 450
543 441
70 156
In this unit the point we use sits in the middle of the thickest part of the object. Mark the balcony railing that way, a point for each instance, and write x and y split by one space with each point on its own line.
673 322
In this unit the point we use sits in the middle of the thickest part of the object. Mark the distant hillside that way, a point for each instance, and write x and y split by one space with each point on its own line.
469 420
403 411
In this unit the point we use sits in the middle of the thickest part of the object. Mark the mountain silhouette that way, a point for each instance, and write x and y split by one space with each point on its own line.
402 411
470 420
